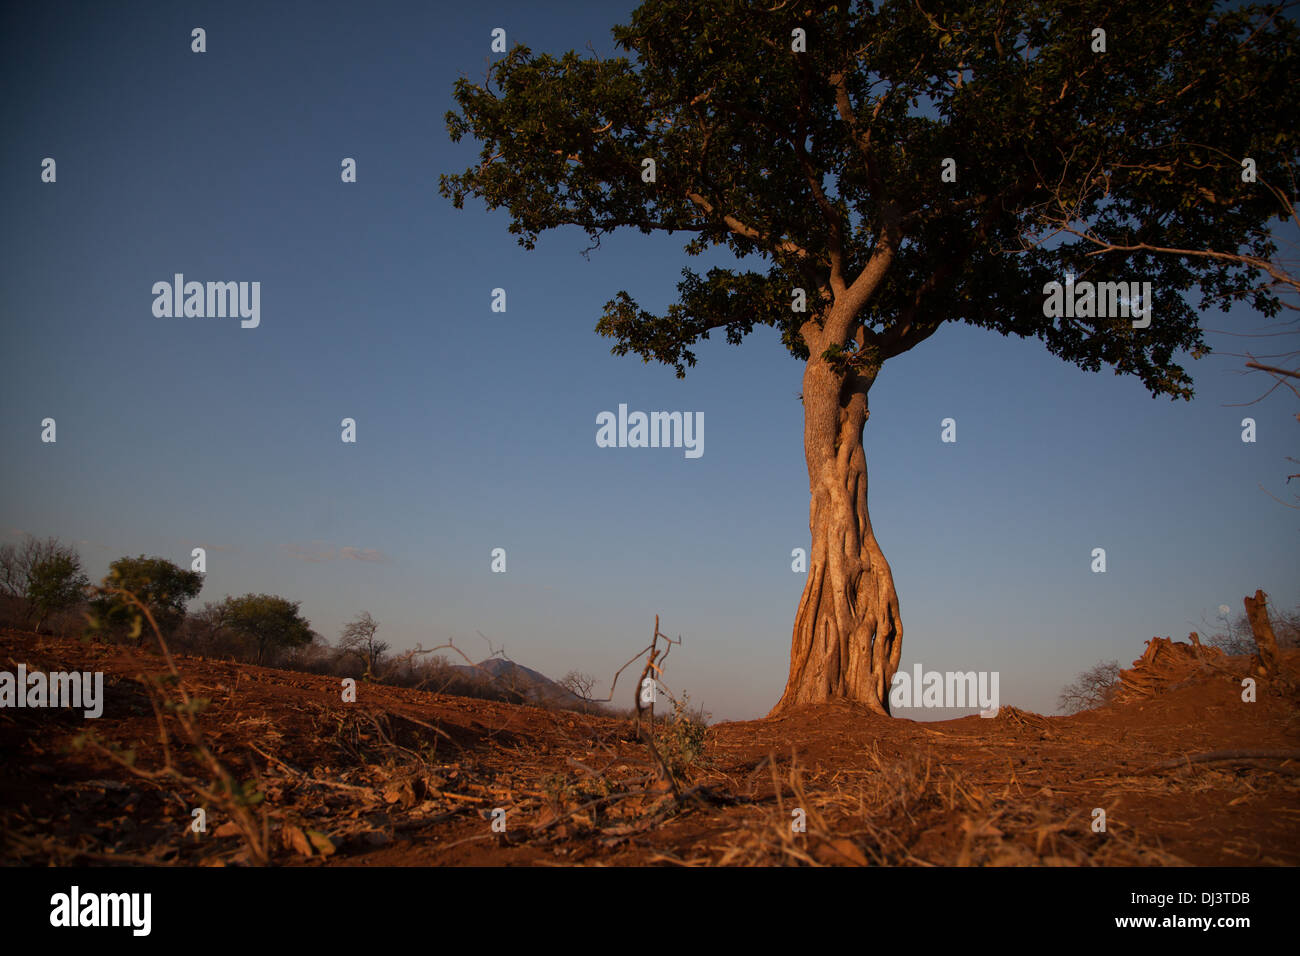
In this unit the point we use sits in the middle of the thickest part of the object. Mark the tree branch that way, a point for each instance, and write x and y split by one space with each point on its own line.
749 232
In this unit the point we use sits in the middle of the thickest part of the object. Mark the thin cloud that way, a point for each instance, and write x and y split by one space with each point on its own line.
317 551
206 547
360 554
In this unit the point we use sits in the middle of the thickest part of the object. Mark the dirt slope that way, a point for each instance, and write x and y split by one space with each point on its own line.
405 777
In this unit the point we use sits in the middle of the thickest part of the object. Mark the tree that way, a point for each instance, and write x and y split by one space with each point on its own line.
17 560
1093 688
209 622
207 630
891 171
163 587
269 621
46 576
359 640
582 686
56 583
579 684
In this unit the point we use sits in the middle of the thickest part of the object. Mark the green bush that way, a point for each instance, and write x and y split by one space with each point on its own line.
680 738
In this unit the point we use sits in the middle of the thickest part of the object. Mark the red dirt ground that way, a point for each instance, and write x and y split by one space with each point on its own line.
405 777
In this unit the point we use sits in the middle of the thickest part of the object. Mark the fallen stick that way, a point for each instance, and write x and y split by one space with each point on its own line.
1217 756
308 778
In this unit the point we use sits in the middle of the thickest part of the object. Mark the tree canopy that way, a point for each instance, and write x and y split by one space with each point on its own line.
271 622
827 164
162 586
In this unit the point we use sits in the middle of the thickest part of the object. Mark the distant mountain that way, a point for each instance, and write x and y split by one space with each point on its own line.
534 686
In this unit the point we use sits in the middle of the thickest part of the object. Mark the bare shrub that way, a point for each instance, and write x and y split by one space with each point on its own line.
1235 637
1095 687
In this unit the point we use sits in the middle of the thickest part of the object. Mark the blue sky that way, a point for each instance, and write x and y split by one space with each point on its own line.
476 429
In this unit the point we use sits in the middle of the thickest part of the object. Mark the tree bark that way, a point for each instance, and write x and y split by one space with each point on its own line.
848 634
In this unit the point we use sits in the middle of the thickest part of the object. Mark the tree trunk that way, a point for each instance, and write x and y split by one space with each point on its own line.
848 634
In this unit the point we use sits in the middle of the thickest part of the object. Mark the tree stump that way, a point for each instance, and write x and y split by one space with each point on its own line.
1257 614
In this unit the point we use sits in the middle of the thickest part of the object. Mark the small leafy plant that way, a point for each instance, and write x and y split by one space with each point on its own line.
680 738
